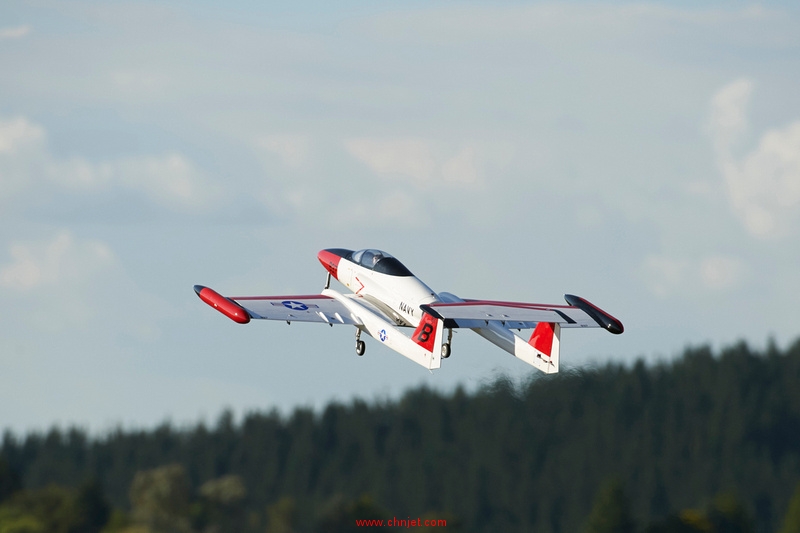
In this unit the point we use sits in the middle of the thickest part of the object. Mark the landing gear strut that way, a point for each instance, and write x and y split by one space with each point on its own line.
361 346
446 346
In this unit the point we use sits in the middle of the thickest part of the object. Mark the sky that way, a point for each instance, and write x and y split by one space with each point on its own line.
645 156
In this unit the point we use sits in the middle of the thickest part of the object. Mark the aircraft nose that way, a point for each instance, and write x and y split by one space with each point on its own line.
330 259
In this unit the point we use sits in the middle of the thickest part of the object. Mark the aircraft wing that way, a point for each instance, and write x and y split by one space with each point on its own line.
300 308
580 313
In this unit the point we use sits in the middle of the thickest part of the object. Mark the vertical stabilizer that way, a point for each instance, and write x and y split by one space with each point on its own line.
428 335
546 340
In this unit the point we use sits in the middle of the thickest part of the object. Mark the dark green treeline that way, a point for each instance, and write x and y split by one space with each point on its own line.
705 432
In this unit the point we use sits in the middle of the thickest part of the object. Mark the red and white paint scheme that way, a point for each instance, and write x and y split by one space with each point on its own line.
387 299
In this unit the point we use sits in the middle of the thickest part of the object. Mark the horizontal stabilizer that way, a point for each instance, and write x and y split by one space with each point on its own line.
603 319
460 313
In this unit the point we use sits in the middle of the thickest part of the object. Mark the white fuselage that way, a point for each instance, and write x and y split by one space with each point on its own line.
397 296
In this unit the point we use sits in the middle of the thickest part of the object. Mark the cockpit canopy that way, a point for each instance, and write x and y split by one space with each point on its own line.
379 262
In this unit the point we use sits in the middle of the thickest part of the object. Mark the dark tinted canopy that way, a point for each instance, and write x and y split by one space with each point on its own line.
379 262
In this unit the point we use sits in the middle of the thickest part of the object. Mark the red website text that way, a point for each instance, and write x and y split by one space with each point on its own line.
404 522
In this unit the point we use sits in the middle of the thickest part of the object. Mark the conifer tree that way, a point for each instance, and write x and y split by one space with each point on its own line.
611 511
791 522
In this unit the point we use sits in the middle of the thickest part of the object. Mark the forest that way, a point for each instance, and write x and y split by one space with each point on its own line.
707 442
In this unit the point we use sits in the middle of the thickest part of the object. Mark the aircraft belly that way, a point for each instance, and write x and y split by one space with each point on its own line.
498 336
382 329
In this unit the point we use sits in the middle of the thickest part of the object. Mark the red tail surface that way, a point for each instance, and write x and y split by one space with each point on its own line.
542 337
425 334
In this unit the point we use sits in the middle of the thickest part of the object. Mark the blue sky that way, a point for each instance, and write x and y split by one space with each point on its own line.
645 156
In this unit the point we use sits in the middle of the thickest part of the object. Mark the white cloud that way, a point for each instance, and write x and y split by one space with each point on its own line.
60 260
167 180
764 185
293 150
462 168
721 272
668 276
664 275
21 153
65 283
19 133
411 158
397 207
729 114
424 162
568 25
139 82
171 180
14 32
78 173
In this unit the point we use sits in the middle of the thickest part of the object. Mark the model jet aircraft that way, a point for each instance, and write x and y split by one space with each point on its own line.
387 297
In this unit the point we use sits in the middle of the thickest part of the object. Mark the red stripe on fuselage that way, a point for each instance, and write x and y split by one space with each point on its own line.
519 305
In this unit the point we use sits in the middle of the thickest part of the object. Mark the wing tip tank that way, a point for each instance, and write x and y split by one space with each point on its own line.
226 306
603 319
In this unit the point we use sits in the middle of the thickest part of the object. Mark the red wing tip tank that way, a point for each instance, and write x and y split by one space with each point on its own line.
227 307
